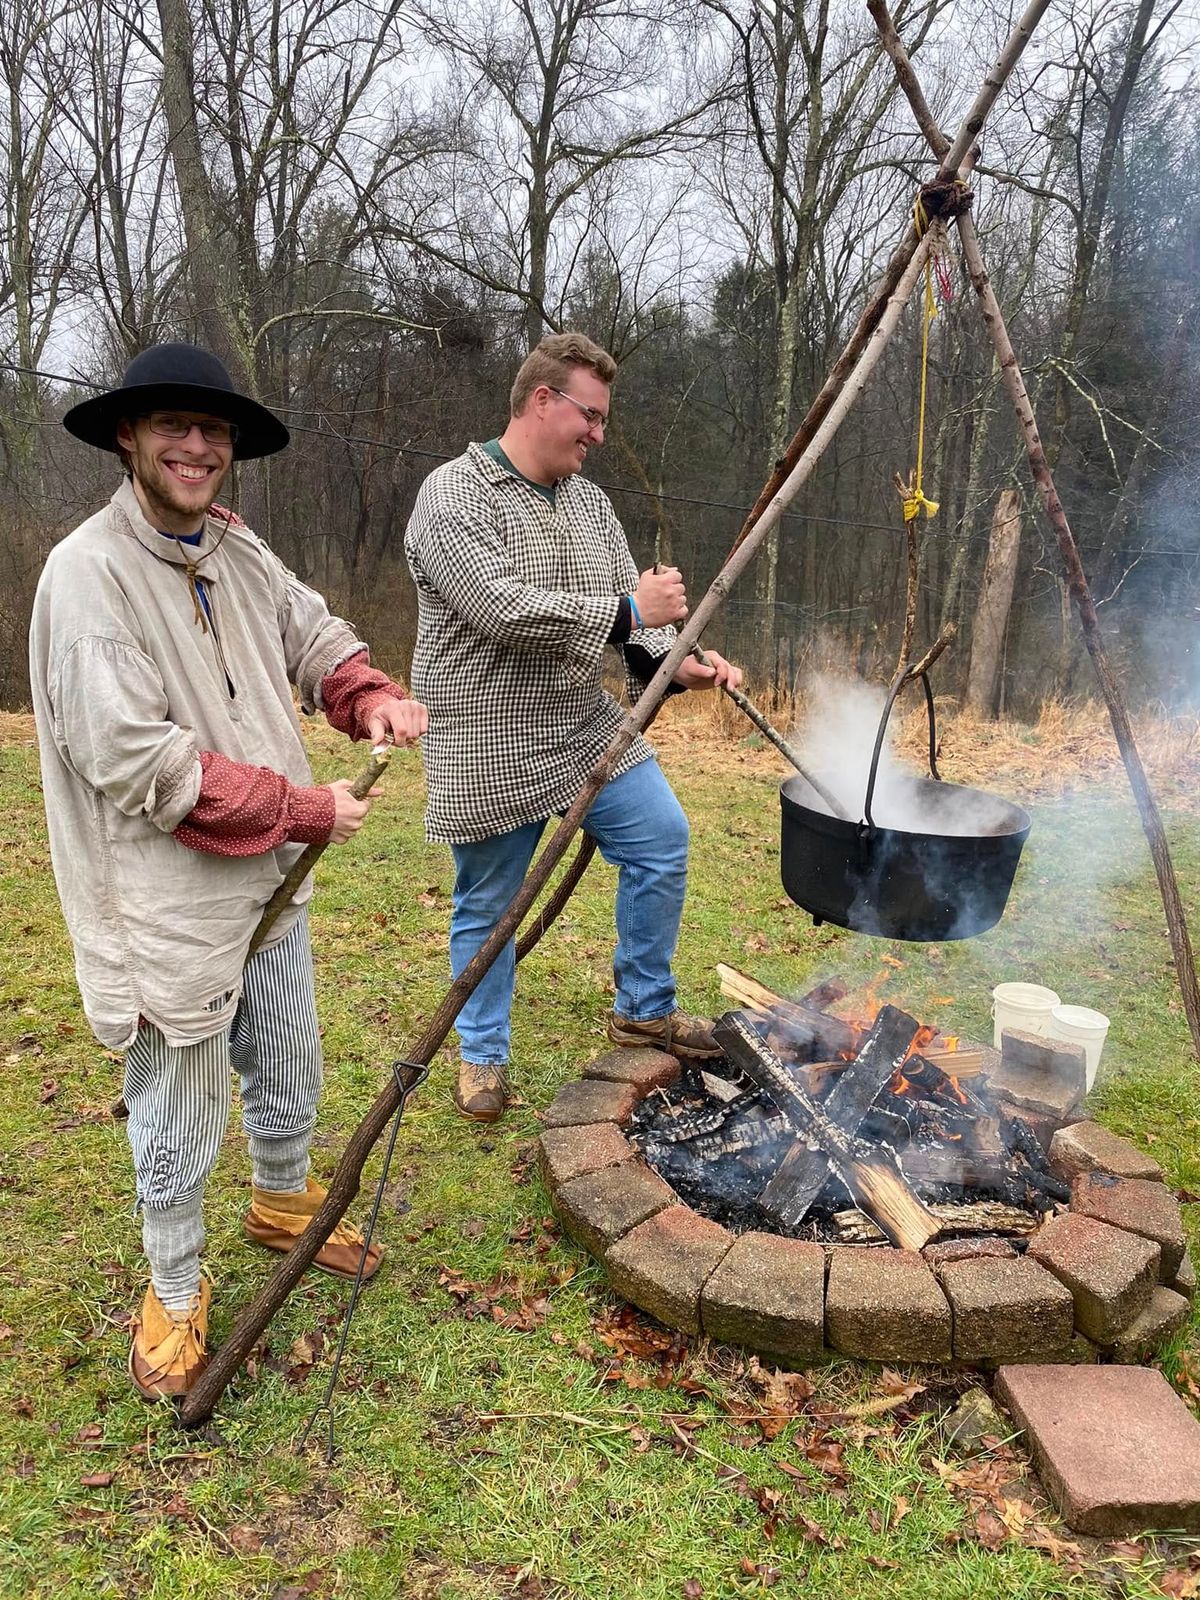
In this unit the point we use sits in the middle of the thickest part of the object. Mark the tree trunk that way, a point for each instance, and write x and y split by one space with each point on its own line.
209 274
995 602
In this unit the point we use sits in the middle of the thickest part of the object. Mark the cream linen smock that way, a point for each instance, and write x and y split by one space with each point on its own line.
128 688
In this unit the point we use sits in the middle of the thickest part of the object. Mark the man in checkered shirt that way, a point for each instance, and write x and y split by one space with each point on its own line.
523 577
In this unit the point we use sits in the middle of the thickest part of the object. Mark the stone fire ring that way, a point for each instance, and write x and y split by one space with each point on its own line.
1108 1280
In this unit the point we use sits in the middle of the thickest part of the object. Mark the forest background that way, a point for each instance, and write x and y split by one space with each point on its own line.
372 210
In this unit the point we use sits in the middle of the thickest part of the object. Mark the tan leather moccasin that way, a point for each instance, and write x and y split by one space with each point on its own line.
168 1351
278 1220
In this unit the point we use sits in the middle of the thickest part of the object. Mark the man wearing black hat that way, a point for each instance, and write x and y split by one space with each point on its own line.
165 642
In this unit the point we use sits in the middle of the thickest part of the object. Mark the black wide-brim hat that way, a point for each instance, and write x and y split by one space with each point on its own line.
178 377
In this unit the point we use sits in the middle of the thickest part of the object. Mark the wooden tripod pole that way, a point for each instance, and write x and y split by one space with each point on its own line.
198 1405
951 160
1143 794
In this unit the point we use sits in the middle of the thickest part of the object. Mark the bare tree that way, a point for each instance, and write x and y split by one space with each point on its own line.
552 100
44 210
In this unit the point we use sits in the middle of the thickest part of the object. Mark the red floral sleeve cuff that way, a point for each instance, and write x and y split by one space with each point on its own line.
243 810
311 814
351 692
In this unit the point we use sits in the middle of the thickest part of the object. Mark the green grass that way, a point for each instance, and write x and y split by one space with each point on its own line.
475 1460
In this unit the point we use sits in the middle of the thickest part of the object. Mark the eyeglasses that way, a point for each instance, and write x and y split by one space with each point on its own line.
172 425
593 418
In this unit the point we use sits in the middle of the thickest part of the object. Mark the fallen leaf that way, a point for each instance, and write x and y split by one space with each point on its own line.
1127 1550
767 1576
1063 1551
97 1480
49 1091
826 1455
1180 1584
1015 1514
989 1530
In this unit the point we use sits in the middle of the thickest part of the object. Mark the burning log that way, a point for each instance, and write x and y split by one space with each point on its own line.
801 1177
797 1024
871 1175
810 1033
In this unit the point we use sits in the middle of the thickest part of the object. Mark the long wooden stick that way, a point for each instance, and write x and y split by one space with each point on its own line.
199 1403
993 316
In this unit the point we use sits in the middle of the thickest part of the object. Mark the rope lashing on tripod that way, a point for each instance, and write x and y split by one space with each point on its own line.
948 200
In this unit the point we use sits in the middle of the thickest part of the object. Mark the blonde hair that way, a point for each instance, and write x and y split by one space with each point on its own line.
551 363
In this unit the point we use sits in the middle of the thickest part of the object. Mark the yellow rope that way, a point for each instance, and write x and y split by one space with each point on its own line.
912 495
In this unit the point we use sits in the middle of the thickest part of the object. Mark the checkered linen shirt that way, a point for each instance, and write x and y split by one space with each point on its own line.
516 602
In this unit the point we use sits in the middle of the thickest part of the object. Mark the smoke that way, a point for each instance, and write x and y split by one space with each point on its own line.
836 739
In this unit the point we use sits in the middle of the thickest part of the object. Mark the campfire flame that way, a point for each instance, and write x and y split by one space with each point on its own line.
925 1036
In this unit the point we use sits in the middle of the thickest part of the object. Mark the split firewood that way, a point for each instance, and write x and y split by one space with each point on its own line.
799 1018
872 1175
984 1216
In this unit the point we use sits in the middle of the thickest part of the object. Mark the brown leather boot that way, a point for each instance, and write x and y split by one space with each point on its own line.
686 1037
481 1092
278 1220
168 1353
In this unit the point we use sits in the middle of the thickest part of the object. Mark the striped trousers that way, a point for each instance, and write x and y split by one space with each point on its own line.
179 1096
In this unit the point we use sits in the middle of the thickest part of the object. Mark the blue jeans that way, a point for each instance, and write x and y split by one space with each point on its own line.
639 827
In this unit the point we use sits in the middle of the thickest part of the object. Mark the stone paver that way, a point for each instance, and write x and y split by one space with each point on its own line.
942 1251
769 1295
643 1068
1117 1449
1007 1310
885 1305
663 1264
1110 1273
568 1153
591 1101
1041 1075
1150 1330
1185 1278
1138 1206
1042 1124
1089 1147
601 1207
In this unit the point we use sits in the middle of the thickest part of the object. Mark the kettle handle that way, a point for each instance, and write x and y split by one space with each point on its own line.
898 682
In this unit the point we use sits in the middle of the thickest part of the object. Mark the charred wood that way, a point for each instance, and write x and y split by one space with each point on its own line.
872 1175
801 1176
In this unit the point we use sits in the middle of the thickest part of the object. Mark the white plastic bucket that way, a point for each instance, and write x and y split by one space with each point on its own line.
1023 1006
1080 1025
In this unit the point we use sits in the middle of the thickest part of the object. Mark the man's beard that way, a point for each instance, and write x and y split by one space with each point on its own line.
165 494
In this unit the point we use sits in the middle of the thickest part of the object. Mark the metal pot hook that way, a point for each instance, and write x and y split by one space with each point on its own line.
898 682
